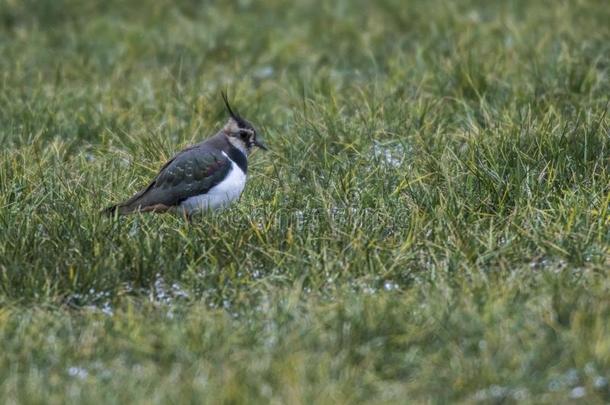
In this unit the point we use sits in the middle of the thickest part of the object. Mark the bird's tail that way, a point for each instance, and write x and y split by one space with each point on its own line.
121 209
131 207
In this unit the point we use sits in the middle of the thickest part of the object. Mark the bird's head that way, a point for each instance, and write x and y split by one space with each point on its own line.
240 132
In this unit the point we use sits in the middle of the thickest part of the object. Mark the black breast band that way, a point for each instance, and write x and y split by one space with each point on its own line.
239 158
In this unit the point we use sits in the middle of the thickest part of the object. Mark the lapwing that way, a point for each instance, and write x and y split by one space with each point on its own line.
207 176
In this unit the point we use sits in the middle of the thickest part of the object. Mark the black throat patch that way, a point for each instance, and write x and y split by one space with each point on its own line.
239 158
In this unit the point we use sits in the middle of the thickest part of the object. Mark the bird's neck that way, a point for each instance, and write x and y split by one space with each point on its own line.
238 144
238 155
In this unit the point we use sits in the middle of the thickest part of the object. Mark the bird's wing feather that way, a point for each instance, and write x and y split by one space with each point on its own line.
192 172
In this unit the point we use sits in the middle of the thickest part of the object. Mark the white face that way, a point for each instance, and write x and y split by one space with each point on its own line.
242 138
239 144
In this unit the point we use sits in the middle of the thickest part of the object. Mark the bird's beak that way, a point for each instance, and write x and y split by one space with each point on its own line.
260 144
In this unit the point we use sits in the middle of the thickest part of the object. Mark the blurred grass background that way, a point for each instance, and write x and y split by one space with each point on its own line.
430 225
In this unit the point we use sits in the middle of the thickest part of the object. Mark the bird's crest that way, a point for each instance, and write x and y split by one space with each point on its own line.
235 116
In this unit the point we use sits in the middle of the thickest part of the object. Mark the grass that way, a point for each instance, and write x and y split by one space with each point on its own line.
431 223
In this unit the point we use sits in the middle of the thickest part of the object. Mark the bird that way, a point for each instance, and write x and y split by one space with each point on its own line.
209 175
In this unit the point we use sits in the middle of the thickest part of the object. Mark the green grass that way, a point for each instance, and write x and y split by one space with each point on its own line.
431 224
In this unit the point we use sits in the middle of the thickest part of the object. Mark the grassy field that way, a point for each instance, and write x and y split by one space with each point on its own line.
431 224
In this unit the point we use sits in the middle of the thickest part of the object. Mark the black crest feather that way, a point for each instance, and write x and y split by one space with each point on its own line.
226 100
242 123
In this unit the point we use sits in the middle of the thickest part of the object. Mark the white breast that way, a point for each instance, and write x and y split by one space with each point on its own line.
221 195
